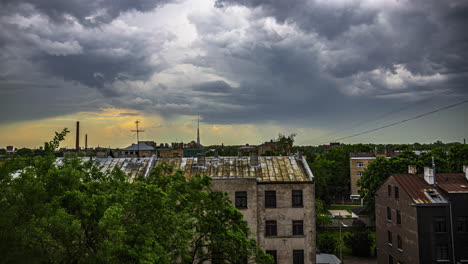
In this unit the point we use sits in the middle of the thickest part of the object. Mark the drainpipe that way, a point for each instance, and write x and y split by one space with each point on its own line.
451 234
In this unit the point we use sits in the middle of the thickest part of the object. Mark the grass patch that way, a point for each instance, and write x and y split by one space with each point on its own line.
343 207
336 234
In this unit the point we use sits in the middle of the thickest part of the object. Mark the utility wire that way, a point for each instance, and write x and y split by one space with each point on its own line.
410 105
402 121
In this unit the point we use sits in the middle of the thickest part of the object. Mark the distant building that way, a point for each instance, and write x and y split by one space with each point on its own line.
268 147
10 149
170 153
358 162
142 149
423 218
275 194
327 148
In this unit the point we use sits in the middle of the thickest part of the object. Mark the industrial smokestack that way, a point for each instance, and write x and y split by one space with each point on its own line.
77 135
86 142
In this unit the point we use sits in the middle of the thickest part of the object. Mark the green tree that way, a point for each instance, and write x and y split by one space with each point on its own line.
327 243
359 240
321 212
74 213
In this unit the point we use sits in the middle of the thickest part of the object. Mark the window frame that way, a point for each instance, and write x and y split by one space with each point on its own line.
359 173
389 190
240 200
271 228
440 224
296 201
389 238
399 243
441 252
462 224
298 256
398 217
270 199
298 227
360 164
389 214
397 192
274 254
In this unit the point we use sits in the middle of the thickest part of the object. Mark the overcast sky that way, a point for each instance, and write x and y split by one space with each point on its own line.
324 69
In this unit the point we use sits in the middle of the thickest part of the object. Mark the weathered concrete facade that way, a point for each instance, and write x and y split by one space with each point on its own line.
256 214
254 176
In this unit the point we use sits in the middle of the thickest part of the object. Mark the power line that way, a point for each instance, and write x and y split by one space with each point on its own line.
409 105
402 121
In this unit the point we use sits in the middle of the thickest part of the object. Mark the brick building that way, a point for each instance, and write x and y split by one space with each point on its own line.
422 218
275 194
358 162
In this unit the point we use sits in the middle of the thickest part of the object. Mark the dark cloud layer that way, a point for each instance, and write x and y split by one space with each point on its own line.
302 62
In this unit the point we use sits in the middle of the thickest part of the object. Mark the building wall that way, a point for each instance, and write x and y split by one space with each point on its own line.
256 214
354 169
408 229
460 209
170 153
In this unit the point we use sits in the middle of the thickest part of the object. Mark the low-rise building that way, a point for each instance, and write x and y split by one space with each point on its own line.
423 218
275 194
358 162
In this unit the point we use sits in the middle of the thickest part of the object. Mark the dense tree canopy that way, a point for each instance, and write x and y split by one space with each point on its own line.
74 213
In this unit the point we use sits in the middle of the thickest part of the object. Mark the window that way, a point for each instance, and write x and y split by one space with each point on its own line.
440 224
398 217
359 173
273 254
297 198
298 228
389 214
389 190
270 199
389 238
399 242
397 193
360 164
241 199
270 228
442 253
298 256
462 224
390 259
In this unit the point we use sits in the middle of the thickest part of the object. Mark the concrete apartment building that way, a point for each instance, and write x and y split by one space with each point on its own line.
422 218
275 194
358 162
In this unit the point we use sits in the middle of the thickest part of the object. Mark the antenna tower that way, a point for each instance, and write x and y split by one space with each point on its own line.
138 138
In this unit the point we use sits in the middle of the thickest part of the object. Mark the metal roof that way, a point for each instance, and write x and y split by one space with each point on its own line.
142 146
134 167
270 169
423 193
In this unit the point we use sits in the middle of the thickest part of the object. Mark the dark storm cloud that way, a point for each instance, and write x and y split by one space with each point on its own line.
87 12
213 87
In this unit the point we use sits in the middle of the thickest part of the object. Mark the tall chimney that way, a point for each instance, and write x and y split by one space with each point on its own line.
429 175
254 159
86 142
77 135
412 169
201 160
465 170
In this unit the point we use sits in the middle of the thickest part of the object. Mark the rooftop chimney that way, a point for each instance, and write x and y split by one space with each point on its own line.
77 135
465 170
201 160
429 175
412 169
254 159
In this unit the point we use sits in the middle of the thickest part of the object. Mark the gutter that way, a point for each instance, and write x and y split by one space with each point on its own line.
307 169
